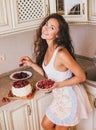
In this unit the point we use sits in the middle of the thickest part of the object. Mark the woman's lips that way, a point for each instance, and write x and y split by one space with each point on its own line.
44 34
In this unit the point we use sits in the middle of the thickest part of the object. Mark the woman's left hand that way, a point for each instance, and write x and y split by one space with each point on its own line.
55 85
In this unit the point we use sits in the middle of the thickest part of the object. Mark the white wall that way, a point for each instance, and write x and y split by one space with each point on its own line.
14 47
18 45
84 39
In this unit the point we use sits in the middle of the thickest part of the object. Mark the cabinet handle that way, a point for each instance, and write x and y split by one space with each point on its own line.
95 102
29 110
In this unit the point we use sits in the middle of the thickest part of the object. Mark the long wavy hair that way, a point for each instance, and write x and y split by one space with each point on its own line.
63 38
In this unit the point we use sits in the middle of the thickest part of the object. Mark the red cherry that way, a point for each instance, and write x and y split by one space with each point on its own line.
29 95
10 94
21 64
3 99
46 87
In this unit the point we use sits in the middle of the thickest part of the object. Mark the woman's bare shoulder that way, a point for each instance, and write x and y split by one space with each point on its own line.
65 57
63 52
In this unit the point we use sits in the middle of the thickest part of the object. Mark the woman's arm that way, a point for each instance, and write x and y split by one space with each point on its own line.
28 61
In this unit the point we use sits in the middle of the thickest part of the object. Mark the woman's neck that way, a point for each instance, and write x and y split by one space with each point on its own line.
52 46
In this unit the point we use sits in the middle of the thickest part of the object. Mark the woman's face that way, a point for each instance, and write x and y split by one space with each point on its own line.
50 29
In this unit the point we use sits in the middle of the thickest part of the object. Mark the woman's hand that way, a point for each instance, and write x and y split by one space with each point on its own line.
55 85
26 60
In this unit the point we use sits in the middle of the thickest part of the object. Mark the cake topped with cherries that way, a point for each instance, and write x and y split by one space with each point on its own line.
21 88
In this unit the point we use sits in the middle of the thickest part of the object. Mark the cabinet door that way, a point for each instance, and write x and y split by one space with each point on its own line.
92 10
5 16
41 102
28 13
18 116
94 114
2 121
72 10
88 124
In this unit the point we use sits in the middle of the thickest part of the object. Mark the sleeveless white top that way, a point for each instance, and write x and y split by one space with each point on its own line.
70 104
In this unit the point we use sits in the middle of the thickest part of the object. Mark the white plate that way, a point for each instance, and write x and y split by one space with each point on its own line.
44 89
17 72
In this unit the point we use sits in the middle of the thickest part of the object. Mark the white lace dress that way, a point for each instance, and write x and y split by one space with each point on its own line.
70 104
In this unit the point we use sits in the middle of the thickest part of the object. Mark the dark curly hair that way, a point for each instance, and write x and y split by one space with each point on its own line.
62 40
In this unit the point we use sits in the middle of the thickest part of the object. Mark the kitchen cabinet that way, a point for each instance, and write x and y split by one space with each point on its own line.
94 114
5 16
21 15
18 116
72 10
92 10
86 124
28 13
89 124
2 121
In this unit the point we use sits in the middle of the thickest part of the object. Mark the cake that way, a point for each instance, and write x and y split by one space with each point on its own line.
21 88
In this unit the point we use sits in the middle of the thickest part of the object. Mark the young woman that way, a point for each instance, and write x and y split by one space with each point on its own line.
55 60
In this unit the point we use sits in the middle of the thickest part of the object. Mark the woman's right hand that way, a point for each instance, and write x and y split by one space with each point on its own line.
26 60
29 62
